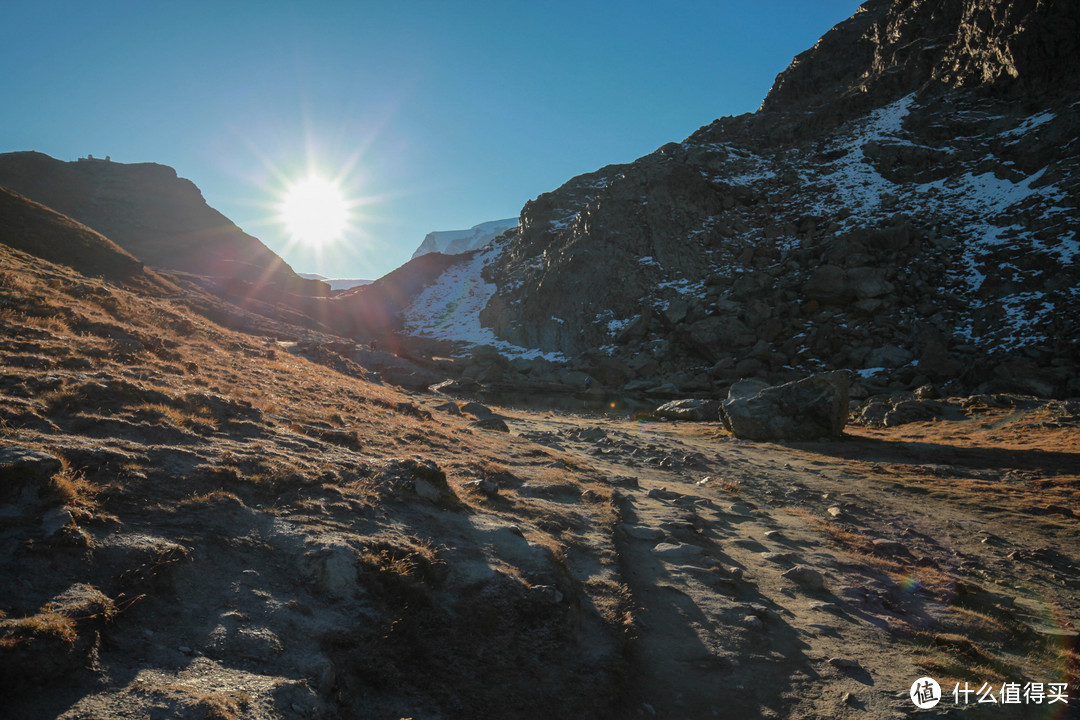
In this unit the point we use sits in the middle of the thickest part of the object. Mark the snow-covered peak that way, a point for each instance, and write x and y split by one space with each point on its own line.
337 283
455 242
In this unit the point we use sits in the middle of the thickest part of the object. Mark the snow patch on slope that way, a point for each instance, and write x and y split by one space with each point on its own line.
449 309
852 182
983 206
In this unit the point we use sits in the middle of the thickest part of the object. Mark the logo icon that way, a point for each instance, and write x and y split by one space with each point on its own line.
925 693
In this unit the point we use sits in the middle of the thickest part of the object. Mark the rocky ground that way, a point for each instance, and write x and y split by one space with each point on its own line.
821 579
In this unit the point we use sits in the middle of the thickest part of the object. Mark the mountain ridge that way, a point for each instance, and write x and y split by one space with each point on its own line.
157 216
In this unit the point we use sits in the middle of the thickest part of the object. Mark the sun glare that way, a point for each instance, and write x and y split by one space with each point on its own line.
315 211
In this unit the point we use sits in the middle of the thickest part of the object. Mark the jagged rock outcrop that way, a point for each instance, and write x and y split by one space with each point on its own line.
159 218
904 205
888 49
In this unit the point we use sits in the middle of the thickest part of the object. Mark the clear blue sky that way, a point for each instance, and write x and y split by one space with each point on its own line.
438 114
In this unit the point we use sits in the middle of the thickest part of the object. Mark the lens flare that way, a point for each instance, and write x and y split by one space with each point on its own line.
315 211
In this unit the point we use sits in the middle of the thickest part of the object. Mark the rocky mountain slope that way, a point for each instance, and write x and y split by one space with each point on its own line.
159 218
35 229
455 242
903 205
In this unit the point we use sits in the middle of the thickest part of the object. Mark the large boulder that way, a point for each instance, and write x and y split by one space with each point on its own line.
809 409
829 284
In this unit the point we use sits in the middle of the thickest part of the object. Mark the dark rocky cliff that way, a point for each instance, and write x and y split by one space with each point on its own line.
904 205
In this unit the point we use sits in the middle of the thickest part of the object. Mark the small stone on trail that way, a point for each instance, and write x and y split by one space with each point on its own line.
548 593
679 553
55 520
483 486
889 547
806 576
624 481
17 462
753 622
663 494
642 532
426 490
844 663
449 407
477 409
490 423
835 511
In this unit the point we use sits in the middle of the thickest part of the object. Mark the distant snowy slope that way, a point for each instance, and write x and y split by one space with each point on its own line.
455 242
337 283
449 308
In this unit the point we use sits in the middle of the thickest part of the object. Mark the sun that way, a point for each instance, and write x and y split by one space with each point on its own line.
314 211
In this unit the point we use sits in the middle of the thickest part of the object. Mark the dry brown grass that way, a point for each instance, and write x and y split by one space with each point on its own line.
72 489
957 656
13 282
224 705
213 497
45 319
407 557
979 638
44 625
615 602
553 545
189 418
